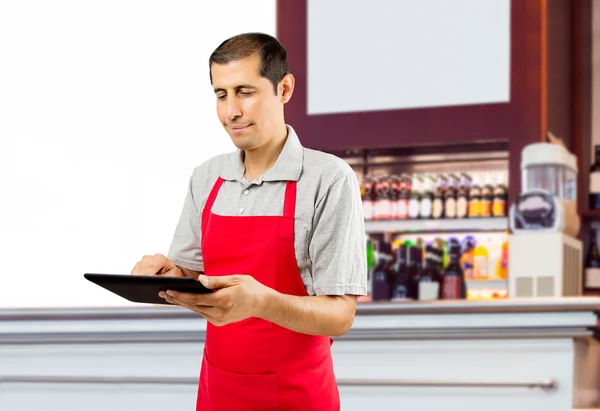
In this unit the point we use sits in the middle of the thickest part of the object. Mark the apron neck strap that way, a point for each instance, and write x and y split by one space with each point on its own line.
289 205
213 194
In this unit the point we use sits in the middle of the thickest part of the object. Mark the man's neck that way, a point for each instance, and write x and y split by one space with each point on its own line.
261 159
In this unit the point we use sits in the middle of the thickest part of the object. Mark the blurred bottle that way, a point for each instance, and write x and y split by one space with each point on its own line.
592 263
381 281
429 278
414 265
438 199
504 260
453 279
403 197
500 196
594 196
401 283
369 197
475 197
462 196
426 205
468 258
450 196
487 196
480 263
383 204
371 260
414 203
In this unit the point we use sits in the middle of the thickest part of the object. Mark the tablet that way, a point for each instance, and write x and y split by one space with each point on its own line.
145 288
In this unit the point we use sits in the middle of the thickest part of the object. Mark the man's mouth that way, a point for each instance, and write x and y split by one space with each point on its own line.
239 127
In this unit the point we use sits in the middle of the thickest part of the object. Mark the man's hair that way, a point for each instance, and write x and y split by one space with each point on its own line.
273 56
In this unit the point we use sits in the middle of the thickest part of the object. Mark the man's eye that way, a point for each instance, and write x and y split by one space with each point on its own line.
245 93
221 97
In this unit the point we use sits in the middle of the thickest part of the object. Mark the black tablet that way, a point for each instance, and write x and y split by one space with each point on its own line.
145 288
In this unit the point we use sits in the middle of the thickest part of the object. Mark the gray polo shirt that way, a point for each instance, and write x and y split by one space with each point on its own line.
329 227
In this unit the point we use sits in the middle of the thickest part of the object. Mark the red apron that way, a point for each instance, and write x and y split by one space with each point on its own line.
254 364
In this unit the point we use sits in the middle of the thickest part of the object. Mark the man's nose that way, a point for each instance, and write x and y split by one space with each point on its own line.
233 109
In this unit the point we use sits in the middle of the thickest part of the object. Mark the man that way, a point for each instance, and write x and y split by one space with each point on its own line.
277 231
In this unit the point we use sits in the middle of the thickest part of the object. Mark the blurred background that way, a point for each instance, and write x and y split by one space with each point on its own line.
454 114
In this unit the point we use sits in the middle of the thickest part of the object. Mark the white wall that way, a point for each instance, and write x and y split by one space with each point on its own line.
404 56
105 109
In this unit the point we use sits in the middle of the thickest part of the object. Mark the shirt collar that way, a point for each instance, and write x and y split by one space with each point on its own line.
288 166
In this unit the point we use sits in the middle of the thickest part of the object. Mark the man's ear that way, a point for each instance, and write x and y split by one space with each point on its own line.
285 88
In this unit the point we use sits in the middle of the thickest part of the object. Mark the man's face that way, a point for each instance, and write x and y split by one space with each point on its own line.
247 105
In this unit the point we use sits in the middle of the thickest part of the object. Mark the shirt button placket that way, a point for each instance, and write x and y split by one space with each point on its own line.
241 209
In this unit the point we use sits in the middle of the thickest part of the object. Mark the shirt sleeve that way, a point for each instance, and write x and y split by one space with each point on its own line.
337 246
185 248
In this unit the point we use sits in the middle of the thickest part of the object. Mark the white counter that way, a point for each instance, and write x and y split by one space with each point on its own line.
506 355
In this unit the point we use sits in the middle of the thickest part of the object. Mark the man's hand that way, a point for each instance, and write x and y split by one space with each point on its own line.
156 264
236 298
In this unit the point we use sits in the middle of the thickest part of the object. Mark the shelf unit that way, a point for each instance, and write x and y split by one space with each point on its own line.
497 224
591 214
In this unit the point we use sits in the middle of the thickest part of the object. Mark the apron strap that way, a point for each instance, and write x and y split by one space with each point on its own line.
212 196
289 205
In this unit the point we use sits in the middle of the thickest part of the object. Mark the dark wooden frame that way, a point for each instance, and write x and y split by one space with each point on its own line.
521 121
551 88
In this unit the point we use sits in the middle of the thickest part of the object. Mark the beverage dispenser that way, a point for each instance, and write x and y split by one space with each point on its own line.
548 199
544 253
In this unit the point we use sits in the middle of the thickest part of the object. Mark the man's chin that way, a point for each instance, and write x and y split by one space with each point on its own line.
242 143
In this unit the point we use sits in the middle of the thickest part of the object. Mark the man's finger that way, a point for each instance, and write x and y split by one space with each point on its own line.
203 311
221 281
209 299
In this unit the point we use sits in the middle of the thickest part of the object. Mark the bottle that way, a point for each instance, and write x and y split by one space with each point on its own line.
494 259
467 259
426 206
438 254
453 279
371 261
401 283
438 200
395 197
487 195
450 197
504 260
403 197
413 264
380 283
500 196
592 263
480 263
475 198
368 198
415 198
462 197
595 180
383 205
429 279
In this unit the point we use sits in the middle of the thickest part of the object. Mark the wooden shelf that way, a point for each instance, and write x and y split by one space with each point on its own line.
591 214
442 225
590 293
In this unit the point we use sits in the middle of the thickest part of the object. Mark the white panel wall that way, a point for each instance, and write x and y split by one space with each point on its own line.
381 54
105 109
